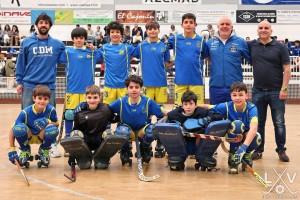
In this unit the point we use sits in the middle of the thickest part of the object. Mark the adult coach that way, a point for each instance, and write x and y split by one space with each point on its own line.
36 64
271 71
226 52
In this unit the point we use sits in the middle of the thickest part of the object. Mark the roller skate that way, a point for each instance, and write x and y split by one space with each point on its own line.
24 157
146 153
176 163
206 163
159 150
126 154
248 159
44 157
101 163
232 167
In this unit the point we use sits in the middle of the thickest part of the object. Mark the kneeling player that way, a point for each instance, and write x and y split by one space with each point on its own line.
36 124
135 112
242 114
92 120
179 147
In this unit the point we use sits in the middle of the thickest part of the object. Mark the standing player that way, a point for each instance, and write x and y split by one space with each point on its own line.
134 111
36 124
80 73
242 114
155 57
116 58
189 51
36 64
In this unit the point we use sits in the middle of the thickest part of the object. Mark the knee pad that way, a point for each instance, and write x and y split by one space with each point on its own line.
237 127
20 130
255 143
51 132
148 135
69 115
123 129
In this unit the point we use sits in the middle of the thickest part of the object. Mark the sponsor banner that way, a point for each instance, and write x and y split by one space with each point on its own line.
213 16
255 16
288 16
36 13
175 16
59 4
135 16
64 17
92 16
270 2
162 16
172 2
15 16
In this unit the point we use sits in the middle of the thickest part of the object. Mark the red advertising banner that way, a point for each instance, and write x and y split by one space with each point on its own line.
135 16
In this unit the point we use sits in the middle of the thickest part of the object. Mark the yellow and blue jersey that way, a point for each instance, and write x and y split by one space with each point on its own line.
189 54
153 56
228 111
136 115
29 115
116 58
80 68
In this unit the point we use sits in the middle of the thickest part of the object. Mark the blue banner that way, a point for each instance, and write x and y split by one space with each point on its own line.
270 2
36 13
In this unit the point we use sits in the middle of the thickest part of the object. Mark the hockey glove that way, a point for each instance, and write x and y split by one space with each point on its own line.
80 107
41 123
12 155
237 157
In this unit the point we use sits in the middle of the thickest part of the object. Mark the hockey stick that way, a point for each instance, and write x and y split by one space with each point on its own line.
22 172
249 168
211 137
62 124
142 177
73 173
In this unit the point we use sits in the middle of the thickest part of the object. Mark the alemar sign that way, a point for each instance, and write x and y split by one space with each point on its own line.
171 1
135 16
255 16
15 17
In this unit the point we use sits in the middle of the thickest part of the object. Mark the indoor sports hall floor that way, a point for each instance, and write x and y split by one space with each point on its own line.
118 182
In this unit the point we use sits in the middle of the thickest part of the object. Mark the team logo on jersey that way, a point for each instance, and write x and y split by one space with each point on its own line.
133 110
188 43
80 56
42 50
153 48
144 109
88 56
121 52
233 49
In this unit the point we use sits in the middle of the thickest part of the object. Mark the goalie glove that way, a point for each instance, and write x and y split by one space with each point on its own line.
41 123
203 122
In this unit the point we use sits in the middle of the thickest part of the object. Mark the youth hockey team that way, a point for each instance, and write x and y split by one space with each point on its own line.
131 101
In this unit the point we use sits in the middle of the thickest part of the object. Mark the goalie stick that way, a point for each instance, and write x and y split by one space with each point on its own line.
142 177
211 137
73 173
22 172
249 168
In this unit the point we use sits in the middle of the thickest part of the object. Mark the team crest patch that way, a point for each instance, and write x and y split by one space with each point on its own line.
121 52
233 49
88 56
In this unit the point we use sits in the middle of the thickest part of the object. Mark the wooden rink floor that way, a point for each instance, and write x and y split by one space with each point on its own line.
122 182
